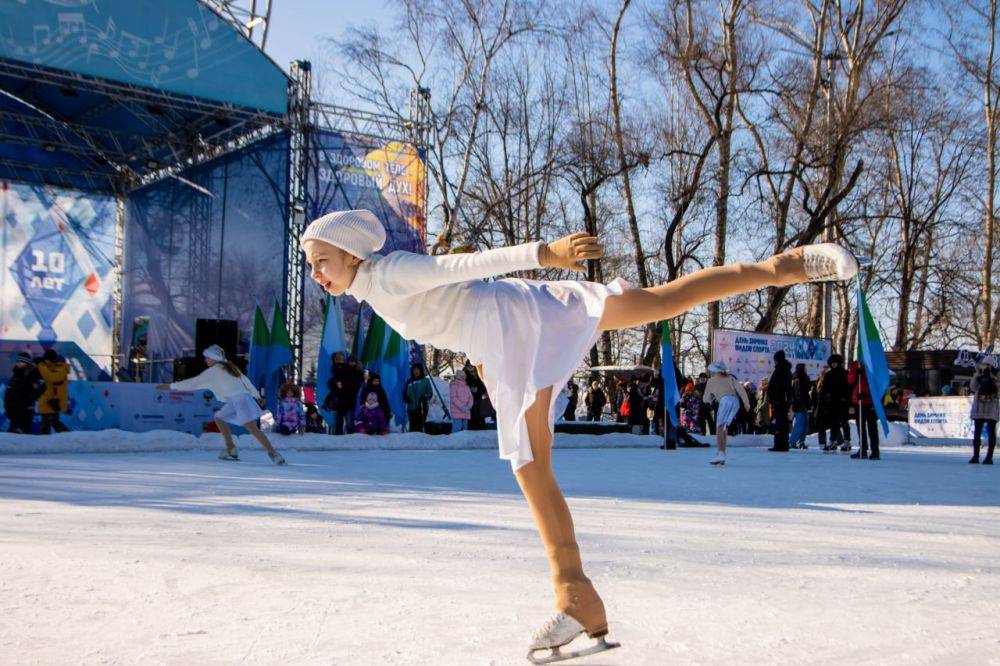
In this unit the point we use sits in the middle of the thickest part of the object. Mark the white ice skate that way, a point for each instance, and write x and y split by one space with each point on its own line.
276 458
558 631
719 459
829 262
229 454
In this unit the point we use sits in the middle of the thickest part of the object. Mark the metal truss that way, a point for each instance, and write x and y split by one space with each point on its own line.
411 130
299 92
251 17
185 130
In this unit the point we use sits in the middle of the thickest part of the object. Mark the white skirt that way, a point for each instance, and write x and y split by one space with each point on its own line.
529 335
239 410
729 405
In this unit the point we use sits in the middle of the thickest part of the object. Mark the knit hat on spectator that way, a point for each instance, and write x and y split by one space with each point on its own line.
23 357
215 353
358 232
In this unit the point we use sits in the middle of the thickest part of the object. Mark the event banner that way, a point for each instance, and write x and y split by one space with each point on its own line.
352 171
749 355
134 408
386 177
57 282
137 408
940 417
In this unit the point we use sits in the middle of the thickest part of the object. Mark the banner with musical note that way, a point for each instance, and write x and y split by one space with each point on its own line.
57 255
180 46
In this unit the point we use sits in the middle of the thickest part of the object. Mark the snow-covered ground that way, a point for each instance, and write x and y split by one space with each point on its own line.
430 557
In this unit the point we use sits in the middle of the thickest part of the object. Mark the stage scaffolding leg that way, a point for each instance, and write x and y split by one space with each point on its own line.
299 91
116 317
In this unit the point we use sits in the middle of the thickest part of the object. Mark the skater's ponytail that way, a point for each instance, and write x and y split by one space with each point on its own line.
230 367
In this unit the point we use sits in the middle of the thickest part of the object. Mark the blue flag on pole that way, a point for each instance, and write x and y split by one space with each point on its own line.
395 370
257 364
671 396
872 356
279 354
332 341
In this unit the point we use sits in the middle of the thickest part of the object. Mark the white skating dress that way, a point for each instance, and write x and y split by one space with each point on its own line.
526 334
238 393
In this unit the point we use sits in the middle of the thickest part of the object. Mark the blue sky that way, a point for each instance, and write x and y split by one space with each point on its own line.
298 27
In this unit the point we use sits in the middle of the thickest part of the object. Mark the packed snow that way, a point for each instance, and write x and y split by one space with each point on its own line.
430 556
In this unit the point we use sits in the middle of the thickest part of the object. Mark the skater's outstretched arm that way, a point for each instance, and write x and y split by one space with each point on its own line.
408 273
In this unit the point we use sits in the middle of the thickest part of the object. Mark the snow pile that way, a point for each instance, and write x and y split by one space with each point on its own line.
119 441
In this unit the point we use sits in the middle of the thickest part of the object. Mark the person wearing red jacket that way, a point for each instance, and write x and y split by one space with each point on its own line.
861 396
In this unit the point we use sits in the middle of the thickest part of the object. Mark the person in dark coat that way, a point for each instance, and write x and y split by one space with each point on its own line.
833 396
801 406
779 397
477 417
636 417
23 391
861 396
569 414
596 400
706 417
340 399
417 393
985 407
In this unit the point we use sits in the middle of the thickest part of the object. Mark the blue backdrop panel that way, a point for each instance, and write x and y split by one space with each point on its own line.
57 282
180 46
349 171
189 255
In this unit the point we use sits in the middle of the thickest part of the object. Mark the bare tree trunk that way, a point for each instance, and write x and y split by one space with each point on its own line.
988 334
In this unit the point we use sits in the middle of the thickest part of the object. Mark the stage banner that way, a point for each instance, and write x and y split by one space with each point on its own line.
352 171
213 251
57 254
750 356
940 417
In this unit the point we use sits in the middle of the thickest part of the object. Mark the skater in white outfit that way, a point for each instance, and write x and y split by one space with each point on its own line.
527 337
723 387
232 387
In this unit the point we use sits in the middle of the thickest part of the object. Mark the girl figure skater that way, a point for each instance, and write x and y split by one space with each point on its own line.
528 336
232 387
723 387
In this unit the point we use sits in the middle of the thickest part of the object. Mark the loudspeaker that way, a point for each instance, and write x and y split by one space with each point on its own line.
222 332
187 366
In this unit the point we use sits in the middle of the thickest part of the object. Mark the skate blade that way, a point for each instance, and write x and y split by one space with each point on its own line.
556 654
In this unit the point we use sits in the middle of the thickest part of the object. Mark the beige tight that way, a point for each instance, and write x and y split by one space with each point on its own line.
575 595
638 307
251 427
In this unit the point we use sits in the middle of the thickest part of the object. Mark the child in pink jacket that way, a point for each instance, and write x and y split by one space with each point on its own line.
461 402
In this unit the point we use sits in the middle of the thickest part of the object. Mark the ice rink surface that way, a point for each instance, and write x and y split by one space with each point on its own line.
430 557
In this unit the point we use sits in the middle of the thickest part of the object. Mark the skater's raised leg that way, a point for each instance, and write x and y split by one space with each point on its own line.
637 307
272 453
575 595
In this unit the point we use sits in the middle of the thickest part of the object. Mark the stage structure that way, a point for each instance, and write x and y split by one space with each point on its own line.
158 167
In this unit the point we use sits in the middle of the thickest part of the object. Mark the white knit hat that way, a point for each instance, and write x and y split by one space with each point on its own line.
214 352
356 231
717 366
